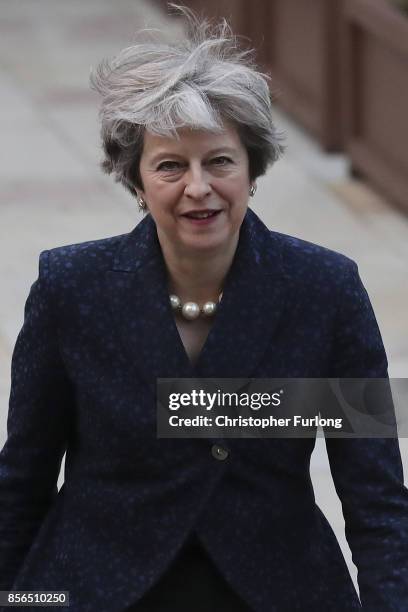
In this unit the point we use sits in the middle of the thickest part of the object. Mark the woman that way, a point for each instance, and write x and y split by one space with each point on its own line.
200 288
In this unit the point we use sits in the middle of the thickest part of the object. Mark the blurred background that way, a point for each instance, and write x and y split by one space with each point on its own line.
339 74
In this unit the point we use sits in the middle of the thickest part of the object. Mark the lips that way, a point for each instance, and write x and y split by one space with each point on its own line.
203 214
201 218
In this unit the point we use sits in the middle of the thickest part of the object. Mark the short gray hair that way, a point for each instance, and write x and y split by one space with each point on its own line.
196 82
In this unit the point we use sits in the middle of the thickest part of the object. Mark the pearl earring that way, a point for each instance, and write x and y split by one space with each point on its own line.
252 190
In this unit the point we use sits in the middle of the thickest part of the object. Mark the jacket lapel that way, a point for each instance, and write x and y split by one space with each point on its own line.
247 315
140 305
251 306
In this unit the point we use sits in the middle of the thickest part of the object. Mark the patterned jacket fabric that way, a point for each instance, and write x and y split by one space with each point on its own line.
98 332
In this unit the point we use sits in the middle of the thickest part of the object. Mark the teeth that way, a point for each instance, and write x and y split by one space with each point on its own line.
200 215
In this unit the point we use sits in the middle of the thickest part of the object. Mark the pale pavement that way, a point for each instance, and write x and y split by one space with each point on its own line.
53 192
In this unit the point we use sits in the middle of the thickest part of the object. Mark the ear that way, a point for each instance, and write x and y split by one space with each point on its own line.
140 193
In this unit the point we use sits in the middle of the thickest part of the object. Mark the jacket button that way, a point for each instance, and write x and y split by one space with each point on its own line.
218 452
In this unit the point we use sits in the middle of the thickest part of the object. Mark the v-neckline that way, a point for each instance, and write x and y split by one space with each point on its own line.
184 340
250 310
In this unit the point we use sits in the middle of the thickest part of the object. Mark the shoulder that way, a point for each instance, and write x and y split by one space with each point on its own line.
311 262
297 259
73 268
82 257
303 253
323 278
317 274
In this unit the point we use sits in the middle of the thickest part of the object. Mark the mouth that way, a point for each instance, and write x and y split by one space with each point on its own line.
201 217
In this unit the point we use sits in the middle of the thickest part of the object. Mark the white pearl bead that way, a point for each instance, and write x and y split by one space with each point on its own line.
209 308
191 310
175 302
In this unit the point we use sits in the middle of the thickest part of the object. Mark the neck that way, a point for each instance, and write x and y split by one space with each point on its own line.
198 277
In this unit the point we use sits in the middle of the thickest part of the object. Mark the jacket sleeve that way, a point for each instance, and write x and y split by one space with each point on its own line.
37 427
367 473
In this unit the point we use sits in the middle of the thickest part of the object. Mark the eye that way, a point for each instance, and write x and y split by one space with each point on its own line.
168 166
222 160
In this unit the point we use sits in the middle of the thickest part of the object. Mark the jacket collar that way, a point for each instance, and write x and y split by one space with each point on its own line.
253 298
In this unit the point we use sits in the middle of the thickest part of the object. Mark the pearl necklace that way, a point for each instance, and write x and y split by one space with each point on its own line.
191 310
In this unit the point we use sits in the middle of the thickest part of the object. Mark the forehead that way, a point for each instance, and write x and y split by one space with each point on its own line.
191 142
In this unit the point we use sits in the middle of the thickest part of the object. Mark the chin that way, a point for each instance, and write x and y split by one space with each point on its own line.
203 246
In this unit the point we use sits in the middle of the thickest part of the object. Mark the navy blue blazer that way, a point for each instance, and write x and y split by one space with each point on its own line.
98 332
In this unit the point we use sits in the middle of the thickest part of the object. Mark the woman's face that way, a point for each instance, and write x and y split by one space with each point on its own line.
203 173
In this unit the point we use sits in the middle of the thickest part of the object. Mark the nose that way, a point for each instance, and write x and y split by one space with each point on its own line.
197 183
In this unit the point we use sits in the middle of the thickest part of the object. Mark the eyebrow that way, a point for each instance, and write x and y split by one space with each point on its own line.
163 154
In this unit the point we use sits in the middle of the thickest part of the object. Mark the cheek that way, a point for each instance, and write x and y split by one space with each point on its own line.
239 195
235 189
162 194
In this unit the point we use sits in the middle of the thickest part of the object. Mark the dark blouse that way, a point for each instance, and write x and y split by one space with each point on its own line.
192 582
